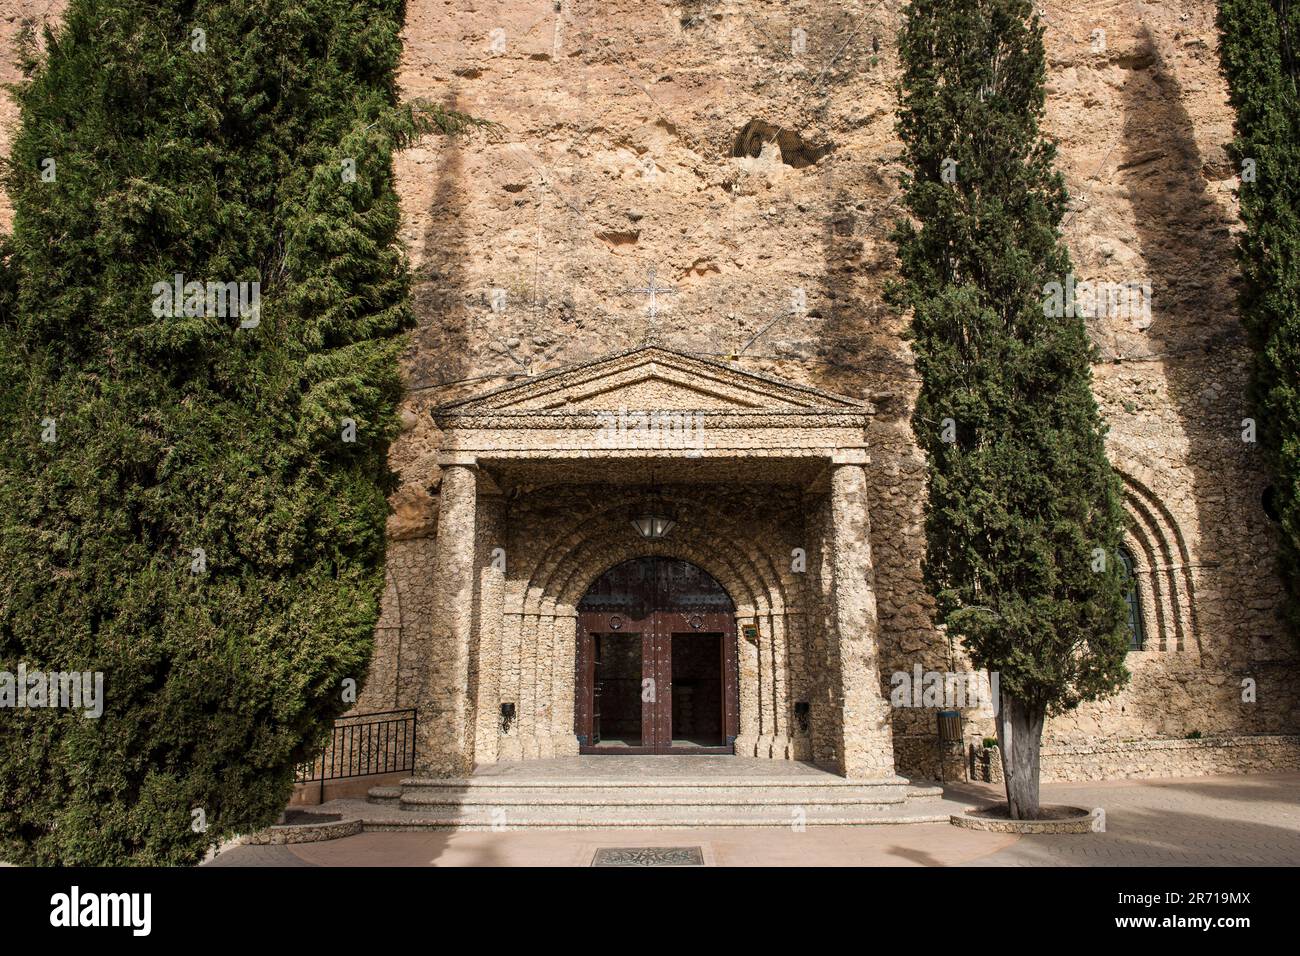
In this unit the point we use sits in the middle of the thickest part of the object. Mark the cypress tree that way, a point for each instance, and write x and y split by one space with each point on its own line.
193 494
1257 50
1023 516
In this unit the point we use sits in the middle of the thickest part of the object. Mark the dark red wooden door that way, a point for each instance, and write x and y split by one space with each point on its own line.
631 698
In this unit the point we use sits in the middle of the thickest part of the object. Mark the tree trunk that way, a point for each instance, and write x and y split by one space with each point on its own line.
1020 736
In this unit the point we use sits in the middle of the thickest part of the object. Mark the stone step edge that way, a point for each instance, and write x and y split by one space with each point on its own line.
600 812
517 795
594 783
395 795
643 824
407 804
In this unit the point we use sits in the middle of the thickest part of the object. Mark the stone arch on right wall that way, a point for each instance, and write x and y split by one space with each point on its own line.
1162 567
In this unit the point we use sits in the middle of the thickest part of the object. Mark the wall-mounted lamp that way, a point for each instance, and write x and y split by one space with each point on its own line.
656 519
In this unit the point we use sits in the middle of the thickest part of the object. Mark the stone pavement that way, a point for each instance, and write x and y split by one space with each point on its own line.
925 844
1191 821
1202 821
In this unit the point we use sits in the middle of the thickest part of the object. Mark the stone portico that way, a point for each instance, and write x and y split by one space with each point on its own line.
540 481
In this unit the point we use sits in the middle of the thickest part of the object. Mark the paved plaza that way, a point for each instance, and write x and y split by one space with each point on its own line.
1202 821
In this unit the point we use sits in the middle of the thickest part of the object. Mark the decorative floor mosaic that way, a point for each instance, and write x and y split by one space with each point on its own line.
649 856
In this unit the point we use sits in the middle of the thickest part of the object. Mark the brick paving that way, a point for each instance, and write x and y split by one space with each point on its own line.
1199 821
1203 821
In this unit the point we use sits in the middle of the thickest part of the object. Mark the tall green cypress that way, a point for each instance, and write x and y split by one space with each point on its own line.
193 493
1024 516
1258 52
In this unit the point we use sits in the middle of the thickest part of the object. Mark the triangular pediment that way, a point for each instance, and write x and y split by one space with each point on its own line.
651 377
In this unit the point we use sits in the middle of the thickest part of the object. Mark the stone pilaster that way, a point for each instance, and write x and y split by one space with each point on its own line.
445 735
865 747
508 743
802 684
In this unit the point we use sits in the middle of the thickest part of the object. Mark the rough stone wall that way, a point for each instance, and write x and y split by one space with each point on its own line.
1258 753
396 668
619 120
1143 128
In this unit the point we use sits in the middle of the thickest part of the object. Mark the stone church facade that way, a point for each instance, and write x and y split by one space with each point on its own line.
767 486
740 157
746 153
773 489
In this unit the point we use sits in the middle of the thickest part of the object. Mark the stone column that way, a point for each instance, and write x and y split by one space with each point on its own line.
822 655
445 735
566 664
747 667
865 747
528 684
487 658
545 700
783 707
766 684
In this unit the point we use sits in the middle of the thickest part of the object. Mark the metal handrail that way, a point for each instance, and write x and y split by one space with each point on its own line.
363 749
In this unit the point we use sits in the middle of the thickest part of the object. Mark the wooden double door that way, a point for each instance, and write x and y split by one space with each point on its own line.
652 680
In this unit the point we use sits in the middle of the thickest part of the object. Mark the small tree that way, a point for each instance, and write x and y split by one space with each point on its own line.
193 490
1024 514
1258 51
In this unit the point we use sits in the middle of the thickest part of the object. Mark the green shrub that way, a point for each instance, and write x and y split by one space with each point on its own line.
1023 510
201 530
1258 52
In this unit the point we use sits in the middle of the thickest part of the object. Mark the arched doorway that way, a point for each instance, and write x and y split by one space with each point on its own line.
656 661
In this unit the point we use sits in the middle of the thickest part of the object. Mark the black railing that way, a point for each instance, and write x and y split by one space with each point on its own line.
365 744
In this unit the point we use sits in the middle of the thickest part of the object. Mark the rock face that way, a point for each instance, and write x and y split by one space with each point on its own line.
746 153
742 156
14 15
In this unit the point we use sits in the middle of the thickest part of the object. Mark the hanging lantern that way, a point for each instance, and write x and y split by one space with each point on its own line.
653 524
656 519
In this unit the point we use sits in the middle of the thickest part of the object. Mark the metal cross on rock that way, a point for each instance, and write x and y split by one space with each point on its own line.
653 291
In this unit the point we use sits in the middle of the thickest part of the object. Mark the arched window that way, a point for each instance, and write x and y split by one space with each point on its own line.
1131 599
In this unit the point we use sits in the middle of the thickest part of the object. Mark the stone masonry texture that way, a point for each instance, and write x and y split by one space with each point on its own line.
745 151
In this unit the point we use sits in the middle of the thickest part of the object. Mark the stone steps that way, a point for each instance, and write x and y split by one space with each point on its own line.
821 780
524 802
667 817
419 799
384 796
648 792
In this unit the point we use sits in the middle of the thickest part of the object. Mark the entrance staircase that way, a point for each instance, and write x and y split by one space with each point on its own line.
638 792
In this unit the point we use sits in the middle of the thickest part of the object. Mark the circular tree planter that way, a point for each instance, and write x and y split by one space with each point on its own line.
1054 819
302 826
